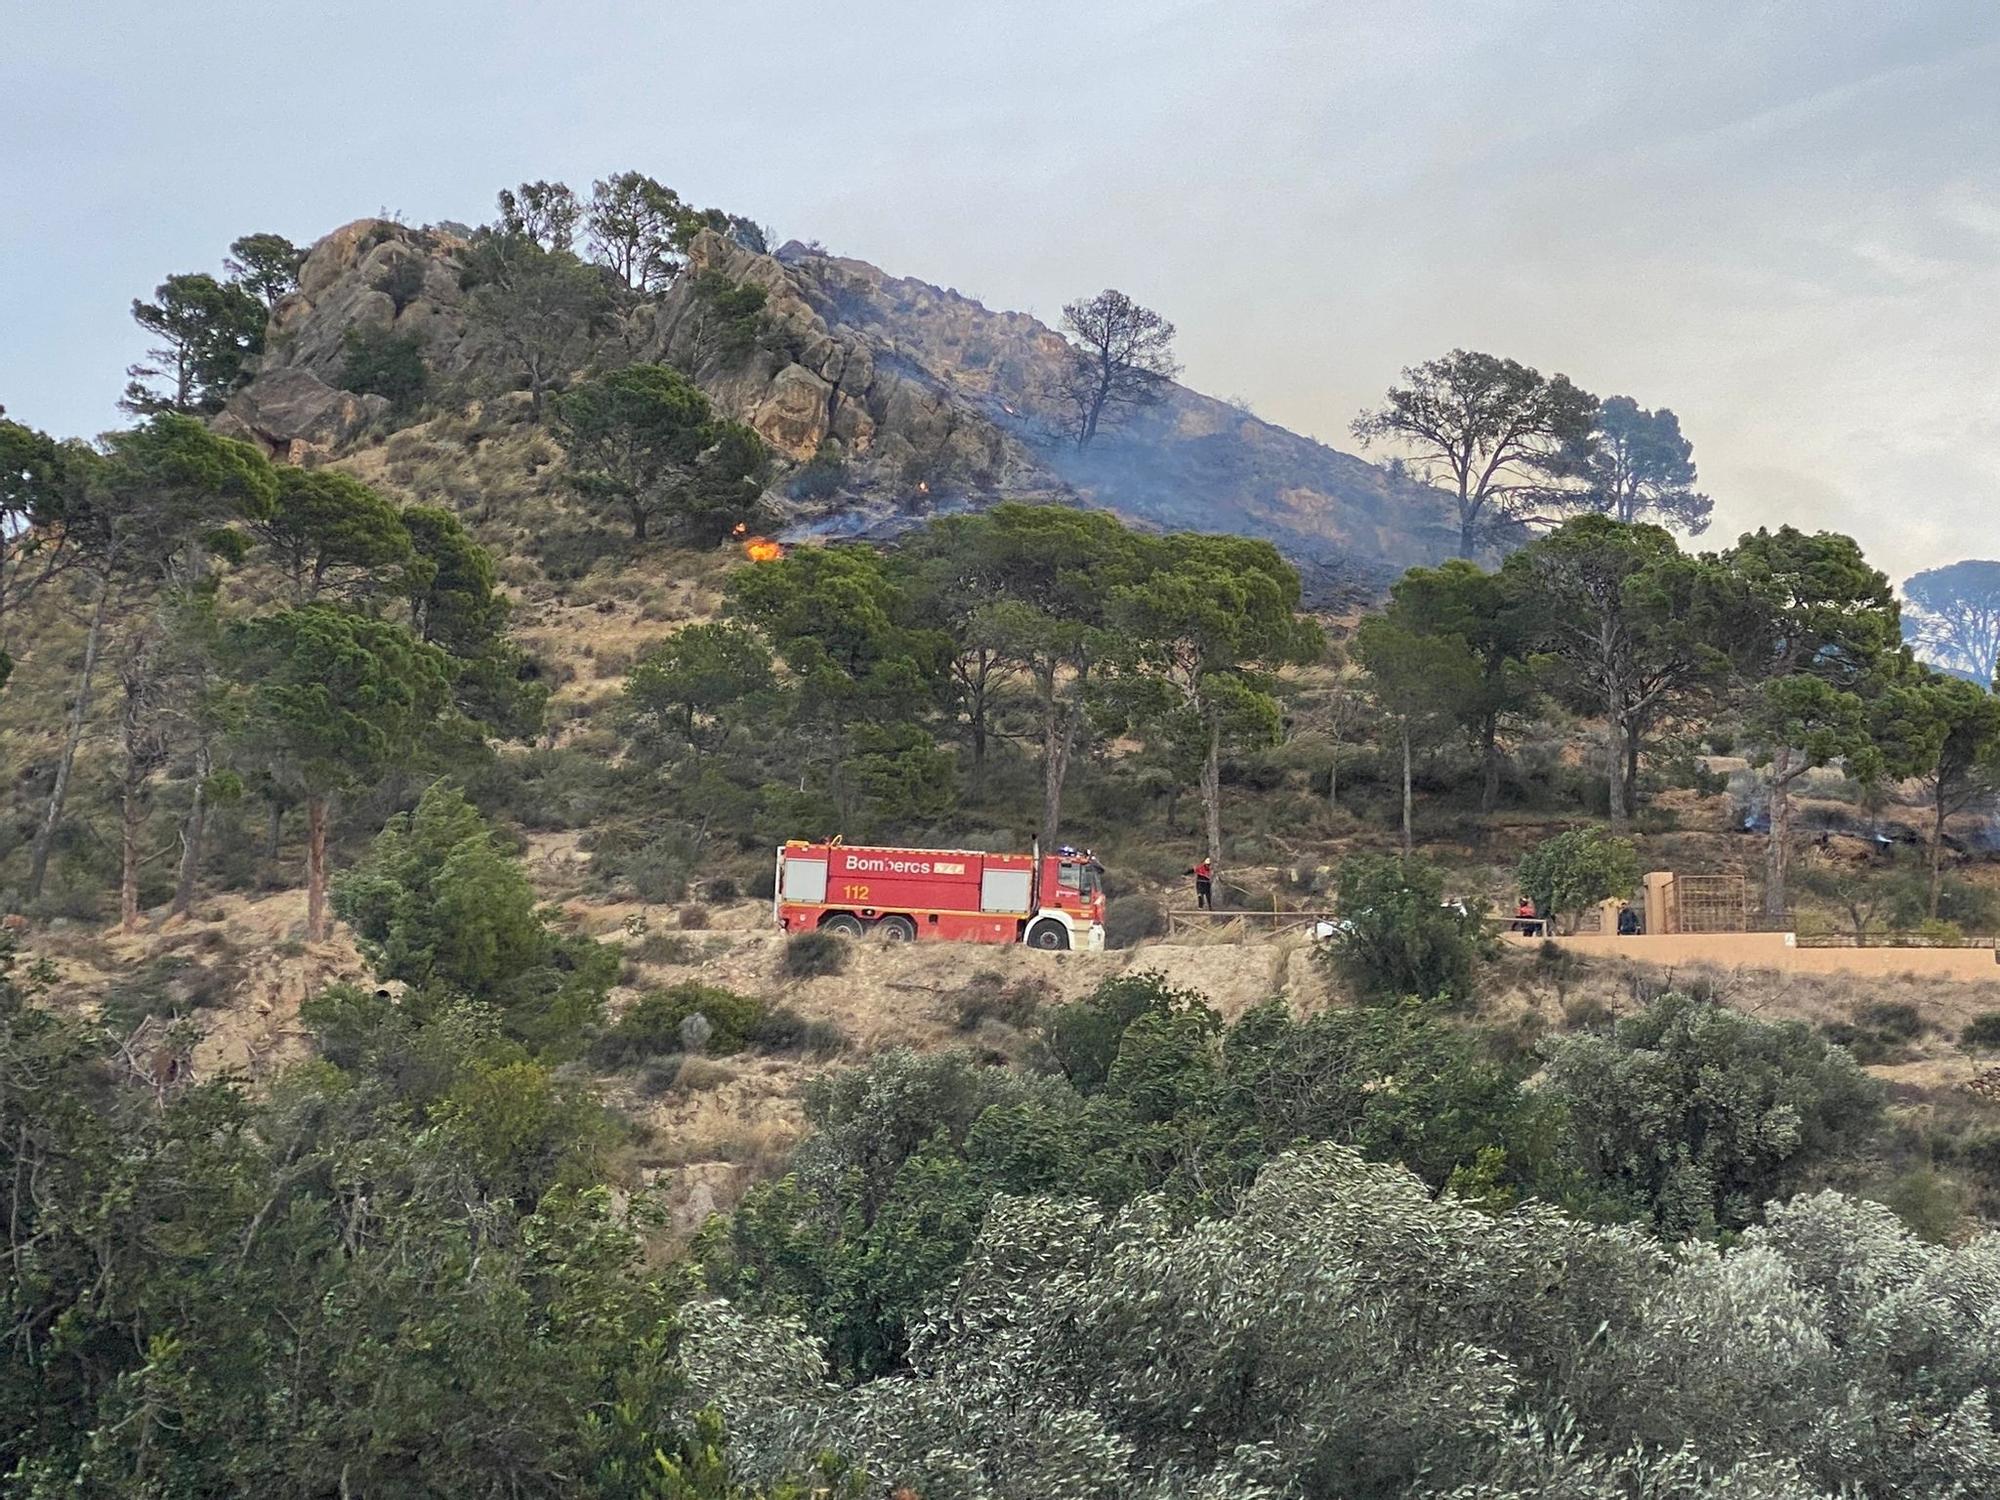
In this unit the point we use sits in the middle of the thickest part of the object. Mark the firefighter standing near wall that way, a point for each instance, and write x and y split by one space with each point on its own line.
1204 884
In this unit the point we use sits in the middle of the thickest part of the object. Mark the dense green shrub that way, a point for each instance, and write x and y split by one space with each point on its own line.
1896 1019
1160 1095
379 362
821 477
988 996
543 789
663 948
652 1026
167 988
437 905
655 872
404 1236
1698 1114
1084 1037
568 550
1573 871
1880 1033
1397 937
1982 1032
808 955
1344 1331
1130 920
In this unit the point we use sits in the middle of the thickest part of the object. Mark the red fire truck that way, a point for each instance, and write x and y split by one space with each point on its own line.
1045 901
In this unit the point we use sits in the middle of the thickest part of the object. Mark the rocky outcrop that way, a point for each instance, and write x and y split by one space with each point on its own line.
293 414
371 274
814 381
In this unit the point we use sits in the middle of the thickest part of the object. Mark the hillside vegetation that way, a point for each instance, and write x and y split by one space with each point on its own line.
399 1062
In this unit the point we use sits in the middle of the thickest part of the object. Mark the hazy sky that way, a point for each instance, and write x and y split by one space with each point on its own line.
1782 220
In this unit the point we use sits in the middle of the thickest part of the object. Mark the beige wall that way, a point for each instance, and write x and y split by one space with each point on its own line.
1777 950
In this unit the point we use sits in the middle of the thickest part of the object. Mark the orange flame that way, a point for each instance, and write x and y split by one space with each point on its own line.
763 549
739 528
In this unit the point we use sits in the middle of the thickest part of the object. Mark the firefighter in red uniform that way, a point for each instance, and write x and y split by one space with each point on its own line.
1204 885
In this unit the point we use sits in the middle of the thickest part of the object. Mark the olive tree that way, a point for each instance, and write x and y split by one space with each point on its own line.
1346 1331
1699 1114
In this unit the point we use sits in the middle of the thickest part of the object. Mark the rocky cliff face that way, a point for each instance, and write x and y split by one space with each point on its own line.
914 397
818 378
371 274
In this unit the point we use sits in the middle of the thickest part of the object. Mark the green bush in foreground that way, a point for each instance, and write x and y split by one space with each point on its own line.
1699 1115
1343 1331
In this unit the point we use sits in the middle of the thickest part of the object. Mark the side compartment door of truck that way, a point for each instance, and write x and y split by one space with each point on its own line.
1005 890
805 880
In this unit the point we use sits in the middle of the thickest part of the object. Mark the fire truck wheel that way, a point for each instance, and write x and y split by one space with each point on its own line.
840 924
1048 935
897 930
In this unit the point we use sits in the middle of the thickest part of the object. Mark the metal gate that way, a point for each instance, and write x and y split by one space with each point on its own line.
1708 903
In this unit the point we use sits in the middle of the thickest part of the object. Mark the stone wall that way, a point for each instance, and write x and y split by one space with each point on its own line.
1778 951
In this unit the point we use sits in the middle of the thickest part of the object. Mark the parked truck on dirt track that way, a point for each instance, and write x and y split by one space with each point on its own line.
1050 901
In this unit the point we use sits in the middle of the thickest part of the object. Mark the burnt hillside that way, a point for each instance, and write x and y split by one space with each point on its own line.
918 399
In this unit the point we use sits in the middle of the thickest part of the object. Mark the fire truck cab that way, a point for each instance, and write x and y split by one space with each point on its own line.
1050 901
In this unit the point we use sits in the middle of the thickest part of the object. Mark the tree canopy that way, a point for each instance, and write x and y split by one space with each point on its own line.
330 532
1810 628
335 700
1492 431
265 264
644 441
1120 358
1573 871
208 331
1636 466
1952 616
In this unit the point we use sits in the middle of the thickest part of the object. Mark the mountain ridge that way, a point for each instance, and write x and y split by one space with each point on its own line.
917 398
